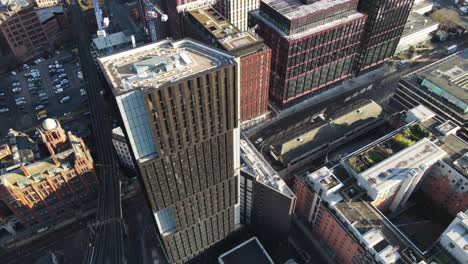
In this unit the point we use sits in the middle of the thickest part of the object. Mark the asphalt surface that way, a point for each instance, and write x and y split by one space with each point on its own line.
107 242
25 119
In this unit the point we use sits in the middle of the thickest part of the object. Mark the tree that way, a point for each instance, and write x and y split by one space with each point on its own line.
446 17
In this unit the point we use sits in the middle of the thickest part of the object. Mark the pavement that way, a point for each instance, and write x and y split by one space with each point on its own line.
22 120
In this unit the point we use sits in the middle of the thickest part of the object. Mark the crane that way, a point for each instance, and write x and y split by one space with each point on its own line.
152 13
101 23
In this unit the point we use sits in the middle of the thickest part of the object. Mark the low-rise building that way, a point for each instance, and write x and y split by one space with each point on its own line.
53 187
417 30
441 87
17 148
54 21
349 207
250 251
102 46
455 238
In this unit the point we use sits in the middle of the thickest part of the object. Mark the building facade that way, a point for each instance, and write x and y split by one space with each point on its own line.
47 3
237 11
454 238
313 45
22 30
45 190
384 28
252 56
122 148
183 127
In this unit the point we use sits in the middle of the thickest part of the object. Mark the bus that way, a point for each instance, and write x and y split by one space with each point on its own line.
451 49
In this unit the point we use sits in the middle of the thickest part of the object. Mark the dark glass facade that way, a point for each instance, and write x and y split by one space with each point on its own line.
385 24
305 63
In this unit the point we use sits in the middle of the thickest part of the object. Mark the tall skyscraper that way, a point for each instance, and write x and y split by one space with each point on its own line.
385 24
179 106
314 44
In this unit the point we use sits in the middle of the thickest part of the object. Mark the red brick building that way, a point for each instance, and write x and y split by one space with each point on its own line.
252 56
447 188
45 190
314 45
23 30
54 21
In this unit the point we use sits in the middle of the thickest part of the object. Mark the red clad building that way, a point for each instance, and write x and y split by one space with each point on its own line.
47 189
22 30
447 187
253 57
314 45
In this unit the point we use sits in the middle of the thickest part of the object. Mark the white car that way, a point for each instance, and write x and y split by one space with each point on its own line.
4 110
18 103
65 99
67 113
13 73
57 91
16 90
39 107
21 98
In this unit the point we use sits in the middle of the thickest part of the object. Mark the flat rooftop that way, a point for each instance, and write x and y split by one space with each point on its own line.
222 30
398 166
160 63
337 128
262 170
251 251
111 40
46 13
448 75
293 9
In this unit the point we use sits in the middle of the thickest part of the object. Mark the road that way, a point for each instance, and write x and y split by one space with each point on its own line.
296 120
107 241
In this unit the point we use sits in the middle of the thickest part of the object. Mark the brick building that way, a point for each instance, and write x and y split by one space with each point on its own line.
313 44
43 191
252 55
54 20
22 29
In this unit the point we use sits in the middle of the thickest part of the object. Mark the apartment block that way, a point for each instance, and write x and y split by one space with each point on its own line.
252 56
314 44
46 190
179 105
350 207
384 27
22 29
439 87
237 11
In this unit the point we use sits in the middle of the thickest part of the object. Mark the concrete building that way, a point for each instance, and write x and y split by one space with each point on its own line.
441 87
417 30
122 148
48 189
455 237
179 106
252 56
385 25
266 202
22 29
423 6
47 3
313 44
250 251
237 11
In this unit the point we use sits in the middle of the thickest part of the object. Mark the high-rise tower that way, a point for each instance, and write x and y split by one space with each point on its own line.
384 27
179 106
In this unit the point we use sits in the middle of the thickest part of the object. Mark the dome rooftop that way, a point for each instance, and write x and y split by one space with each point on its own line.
49 124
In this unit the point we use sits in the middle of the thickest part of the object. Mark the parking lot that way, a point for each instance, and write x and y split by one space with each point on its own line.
49 89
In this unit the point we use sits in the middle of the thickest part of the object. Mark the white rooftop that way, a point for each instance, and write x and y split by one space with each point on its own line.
403 164
419 113
373 237
325 179
176 60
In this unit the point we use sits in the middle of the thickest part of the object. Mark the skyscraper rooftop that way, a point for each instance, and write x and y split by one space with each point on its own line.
157 64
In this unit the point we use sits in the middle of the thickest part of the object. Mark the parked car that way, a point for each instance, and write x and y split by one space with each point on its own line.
58 91
4 110
20 98
39 107
16 90
65 99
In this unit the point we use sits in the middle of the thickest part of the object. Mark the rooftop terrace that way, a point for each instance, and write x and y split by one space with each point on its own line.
161 63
